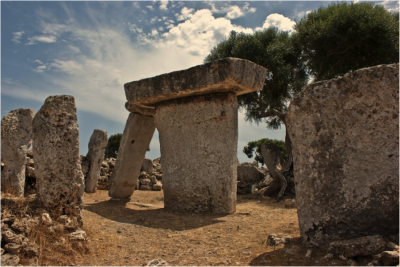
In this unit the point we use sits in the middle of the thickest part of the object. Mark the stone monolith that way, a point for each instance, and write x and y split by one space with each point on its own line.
196 117
139 130
59 178
345 138
198 142
95 156
16 138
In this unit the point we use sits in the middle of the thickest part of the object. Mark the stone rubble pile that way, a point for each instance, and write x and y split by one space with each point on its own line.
16 232
150 178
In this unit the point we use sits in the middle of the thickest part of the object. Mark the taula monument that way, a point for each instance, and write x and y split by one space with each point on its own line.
195 112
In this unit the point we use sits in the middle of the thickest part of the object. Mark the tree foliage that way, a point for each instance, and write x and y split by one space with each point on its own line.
113 146
344 37
280 53
256 145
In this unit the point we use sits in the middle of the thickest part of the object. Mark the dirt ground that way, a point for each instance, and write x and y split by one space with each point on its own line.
131 233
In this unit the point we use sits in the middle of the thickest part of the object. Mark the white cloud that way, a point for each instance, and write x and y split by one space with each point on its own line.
153 20
279 21
40 69
8 81
163 5
154 32
42 39
17 37
136 5
67 66
185 14
391 6
232 12
74 49
150 7
200 33
235 12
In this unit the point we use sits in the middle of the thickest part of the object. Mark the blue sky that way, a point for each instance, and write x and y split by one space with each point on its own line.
90 49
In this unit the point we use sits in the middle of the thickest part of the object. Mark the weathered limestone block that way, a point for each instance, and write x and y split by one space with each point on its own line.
198 141
95 156
147 166
345 138
58 170
226 75
139 130
16 137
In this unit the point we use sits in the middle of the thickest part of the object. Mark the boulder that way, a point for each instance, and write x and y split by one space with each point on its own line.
390 258
9 260
362 246
97 144
147 166
58 170
247 176
145 181
146 187
157 186
345 135
16 138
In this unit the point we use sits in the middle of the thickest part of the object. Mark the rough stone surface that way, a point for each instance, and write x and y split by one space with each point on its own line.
139 130
138 109
97 144
362 246
226 75
345 138
390 258
60 184
246 177
147 166
198 141
16 137
9 260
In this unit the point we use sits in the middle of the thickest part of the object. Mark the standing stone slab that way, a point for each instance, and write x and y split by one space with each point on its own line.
16 137
139 130
95 156
198 141
345 137
58 170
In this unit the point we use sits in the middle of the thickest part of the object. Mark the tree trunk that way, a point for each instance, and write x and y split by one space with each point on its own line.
280 171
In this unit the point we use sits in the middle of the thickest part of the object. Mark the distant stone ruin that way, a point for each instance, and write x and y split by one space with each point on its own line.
59 178
195 112
16 138
95 156
345 137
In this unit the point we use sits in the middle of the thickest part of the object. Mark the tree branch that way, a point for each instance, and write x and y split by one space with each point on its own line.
273 112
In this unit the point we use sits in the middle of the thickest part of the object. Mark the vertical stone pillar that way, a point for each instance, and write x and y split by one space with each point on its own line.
139 130
58 170
16 137
198 139
95 156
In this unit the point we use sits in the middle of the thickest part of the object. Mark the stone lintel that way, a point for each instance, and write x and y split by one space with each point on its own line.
226 75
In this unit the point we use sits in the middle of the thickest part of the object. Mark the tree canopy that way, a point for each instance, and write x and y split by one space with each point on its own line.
280 53
344 37
256 145
113 145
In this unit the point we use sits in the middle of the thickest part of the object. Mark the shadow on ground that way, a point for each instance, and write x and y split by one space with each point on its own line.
152 216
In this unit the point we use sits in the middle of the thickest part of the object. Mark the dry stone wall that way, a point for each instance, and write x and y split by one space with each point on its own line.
345 137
